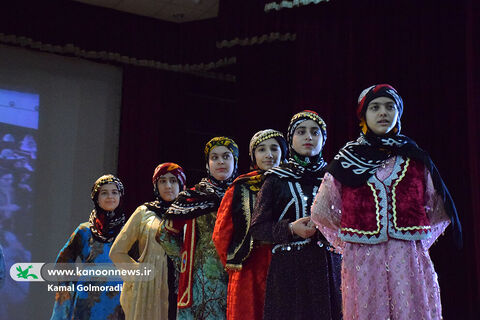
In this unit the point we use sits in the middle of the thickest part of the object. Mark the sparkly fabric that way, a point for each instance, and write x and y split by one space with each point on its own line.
390 280
303 280
303 284
365 208
86 305
358 160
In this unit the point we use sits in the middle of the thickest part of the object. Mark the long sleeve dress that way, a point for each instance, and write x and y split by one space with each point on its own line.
143 299
391 278
187 234
83 305
246 261
303 280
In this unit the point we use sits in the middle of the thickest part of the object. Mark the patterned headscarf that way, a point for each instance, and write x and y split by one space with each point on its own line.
160 206
373 92
105 225
222 141
232 147
108 178
168 167
263 135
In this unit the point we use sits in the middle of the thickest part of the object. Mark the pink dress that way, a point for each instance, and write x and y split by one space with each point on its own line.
392 280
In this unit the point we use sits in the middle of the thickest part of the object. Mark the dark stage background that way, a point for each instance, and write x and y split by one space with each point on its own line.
318 57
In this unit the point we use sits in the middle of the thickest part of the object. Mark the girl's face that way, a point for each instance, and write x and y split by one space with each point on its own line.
381 115
108 197
307 139
268 154
168 187
221 163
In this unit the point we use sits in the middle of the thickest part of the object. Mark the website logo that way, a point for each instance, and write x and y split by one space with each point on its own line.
27 271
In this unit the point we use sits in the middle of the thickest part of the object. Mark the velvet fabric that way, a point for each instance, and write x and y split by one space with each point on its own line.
362 206
411 190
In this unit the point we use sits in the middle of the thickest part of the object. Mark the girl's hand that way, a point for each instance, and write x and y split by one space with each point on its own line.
303 227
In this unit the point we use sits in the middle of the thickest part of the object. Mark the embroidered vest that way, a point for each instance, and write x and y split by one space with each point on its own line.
394 207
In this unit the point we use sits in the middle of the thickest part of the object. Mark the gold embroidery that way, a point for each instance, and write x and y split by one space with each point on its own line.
188 290
245 194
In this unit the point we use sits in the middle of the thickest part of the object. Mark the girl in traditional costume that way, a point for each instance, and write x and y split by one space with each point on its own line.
247 261
91 243
150 299
383 204
303 281
202 288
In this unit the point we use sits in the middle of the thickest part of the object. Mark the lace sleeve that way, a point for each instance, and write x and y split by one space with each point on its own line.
326 210
435 209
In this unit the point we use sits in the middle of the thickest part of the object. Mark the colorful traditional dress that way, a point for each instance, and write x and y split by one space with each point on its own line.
156 298
187 233
387 272
304 277
83 305
383 204
91 243
246 262
303 280
144 299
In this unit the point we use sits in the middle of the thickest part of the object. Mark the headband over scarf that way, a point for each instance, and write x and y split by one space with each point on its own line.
358 160
159 206
263 135
207 194
105 225
298 166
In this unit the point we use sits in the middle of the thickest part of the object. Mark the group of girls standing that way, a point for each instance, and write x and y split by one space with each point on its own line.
294 238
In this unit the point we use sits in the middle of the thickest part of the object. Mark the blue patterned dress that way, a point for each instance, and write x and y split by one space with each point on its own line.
82 305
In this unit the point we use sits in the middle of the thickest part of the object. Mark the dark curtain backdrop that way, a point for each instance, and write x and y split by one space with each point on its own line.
428 50
98 29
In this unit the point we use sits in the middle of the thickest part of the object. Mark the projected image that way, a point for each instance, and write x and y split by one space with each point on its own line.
18 153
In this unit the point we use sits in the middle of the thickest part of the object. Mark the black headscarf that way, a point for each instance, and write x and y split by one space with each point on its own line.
299 166
105 225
